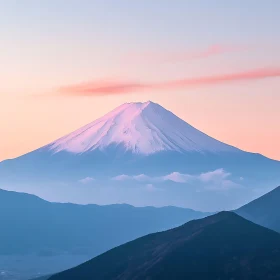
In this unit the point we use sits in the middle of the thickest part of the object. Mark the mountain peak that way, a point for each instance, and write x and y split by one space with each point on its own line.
142 128
136 106
146 103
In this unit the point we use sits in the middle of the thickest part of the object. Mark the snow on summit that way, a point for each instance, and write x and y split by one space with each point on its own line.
142 128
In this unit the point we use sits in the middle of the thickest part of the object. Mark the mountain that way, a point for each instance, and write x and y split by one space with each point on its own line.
141 154
141 128
222 246
39 236
264 211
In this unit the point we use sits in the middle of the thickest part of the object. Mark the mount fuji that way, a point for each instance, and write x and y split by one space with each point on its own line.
142 154
140 128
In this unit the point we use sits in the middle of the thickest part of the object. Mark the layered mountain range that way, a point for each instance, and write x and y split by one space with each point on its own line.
142 154
39 237
222 246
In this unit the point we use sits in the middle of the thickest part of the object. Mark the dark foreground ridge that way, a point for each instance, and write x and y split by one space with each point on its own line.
221 246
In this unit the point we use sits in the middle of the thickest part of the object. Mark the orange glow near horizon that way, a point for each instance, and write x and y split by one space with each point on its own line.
244 120
64 66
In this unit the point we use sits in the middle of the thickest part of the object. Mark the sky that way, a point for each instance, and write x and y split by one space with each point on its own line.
215 64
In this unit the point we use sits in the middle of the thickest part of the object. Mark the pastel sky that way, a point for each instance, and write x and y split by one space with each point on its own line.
215 63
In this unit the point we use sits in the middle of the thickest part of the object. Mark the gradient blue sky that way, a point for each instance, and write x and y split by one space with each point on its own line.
49 44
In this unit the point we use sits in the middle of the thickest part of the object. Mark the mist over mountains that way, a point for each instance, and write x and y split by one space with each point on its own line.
39 237
142 154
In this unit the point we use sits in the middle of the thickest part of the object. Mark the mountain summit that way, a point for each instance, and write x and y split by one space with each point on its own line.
141 154
142 128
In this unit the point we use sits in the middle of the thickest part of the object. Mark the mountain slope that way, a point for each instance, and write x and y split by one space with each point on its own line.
264 211
222 246
141 154
36 231
143 128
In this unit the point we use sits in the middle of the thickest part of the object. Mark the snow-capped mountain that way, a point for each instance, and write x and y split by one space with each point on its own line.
142 154
142 128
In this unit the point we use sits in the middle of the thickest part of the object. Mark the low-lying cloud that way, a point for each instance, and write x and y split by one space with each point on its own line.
86 180
213 180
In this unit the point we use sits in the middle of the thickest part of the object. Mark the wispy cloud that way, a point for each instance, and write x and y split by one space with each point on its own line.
212 180
183 56
216 175
109 87
122 177
147 180
152 188
104 87
140 178
178 177
86 180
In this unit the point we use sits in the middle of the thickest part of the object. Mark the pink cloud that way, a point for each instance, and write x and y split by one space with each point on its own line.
178 177
210 51
187 55
255 74
102 88
126 87
218 180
